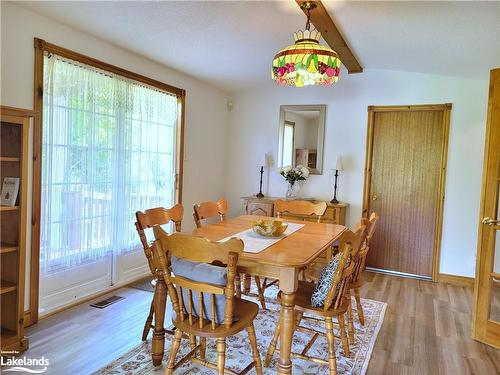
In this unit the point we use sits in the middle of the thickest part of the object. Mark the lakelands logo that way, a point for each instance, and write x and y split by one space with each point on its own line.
23 364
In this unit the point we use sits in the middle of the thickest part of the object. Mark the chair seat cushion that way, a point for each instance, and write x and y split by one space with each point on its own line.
325 282
204 273
303 295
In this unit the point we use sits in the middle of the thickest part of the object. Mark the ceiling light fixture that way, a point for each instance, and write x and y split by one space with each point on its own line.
306 62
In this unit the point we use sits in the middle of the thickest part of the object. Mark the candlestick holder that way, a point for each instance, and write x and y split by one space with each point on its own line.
260 195
339 166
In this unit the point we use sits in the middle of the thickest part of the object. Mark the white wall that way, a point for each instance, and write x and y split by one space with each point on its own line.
253 131
206 113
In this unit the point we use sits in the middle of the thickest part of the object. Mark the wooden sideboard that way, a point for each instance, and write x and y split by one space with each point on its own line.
335 212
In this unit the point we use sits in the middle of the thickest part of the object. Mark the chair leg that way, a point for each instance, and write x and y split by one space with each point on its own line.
350 324
173 352
149 321
343 335
272 346
192 342
332 361
260 292
237 281
255 350
221 355
247 280
203 347
359 307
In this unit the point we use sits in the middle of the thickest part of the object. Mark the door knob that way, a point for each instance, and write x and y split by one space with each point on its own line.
490 221
375 197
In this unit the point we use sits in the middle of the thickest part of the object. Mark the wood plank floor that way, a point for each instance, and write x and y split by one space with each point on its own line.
426 331
83 339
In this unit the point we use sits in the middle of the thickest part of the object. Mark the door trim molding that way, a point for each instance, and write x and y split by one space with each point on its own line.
446 108
457 280
483 329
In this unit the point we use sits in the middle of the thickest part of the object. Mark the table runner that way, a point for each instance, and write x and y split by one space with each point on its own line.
255 243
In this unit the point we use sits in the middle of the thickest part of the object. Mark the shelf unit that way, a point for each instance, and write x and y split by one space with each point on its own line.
14 130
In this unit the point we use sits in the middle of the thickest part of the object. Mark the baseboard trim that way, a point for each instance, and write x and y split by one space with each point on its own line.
89 297
456 280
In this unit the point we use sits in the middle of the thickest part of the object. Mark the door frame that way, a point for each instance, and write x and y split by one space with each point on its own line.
446 108
42 47
484 329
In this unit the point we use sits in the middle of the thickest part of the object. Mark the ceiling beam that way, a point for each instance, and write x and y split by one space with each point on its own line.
331 34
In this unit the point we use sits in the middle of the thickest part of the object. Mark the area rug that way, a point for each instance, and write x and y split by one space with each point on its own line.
143 284
238 353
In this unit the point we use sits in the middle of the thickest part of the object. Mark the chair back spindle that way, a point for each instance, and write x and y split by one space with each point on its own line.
350 244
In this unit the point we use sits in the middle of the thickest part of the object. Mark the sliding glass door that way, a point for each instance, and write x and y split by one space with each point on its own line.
108 150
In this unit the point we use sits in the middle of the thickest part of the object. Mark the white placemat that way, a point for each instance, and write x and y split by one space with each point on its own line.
255 243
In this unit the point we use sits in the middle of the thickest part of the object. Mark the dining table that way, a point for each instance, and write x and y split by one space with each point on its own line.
282 260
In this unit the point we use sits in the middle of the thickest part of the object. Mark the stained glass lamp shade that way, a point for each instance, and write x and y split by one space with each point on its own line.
306 62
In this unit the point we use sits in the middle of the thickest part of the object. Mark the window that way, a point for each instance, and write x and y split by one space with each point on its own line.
108 150
288 143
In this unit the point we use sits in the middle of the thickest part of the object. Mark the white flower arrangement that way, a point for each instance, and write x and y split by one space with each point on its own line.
299 173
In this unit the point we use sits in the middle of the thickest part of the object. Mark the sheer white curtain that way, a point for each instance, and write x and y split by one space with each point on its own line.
108 151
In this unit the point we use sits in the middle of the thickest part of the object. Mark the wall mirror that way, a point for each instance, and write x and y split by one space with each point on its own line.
301 136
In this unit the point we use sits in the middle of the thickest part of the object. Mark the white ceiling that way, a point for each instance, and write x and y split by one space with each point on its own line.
231 44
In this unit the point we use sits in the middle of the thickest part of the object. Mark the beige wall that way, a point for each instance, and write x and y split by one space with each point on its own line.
206 114
253 131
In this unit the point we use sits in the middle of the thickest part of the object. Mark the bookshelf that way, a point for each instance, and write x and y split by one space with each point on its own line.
14 130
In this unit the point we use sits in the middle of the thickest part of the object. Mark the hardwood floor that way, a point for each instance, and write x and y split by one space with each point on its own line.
426 331
83 339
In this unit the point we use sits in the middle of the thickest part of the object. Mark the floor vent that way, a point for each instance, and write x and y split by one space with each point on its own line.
106 302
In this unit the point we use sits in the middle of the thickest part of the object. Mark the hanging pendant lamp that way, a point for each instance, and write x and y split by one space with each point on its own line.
306 62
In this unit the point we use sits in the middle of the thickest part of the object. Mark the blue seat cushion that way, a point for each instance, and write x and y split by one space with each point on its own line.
204 273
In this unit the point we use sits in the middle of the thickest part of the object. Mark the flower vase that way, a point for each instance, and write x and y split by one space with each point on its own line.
293 190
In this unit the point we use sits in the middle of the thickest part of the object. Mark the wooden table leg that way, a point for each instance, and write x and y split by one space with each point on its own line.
288 286
160 299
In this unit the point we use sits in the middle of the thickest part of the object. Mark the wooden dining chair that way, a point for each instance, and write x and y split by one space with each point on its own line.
204 309
336 305
148 219
302 210
357 278
210 209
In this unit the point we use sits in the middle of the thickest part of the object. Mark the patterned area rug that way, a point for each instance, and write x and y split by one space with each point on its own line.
143 284
238 353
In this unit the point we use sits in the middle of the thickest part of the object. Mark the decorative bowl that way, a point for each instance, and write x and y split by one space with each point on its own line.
269 228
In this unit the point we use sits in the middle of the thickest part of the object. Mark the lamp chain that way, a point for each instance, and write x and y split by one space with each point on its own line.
308 6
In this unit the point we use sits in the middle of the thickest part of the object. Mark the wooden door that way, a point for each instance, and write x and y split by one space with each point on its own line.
404 179
486 319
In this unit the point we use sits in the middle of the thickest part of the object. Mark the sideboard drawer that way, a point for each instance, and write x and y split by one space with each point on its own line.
335 212
260 208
